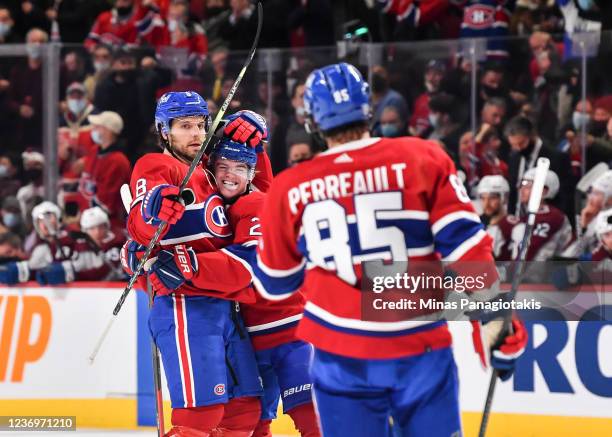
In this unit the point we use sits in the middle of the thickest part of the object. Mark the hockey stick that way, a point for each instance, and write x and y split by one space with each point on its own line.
532 209
194 163
159 400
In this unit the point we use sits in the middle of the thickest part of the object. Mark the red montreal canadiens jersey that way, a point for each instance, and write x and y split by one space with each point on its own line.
370 199
204 225
269 323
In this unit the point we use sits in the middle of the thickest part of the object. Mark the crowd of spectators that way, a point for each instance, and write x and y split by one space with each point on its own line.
118 57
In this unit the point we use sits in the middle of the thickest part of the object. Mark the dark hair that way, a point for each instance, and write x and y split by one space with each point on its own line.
295 87
519 125
443 103
10 238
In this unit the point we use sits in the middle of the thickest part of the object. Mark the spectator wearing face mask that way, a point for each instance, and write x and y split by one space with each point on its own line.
598 148
383 95
106 168
25 92
129 23
101 59
7 27
391 123
11 216
33 163
185 32
74 138
9 182
419 120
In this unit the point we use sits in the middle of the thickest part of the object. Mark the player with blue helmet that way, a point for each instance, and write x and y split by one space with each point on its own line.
209 363
367 198
282 359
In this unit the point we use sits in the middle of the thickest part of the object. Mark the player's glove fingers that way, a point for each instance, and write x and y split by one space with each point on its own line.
171 211
231 127
256 139
514 344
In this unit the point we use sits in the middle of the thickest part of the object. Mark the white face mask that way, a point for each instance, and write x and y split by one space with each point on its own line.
5 28
580 119
76 106
101 66
96 137
434 120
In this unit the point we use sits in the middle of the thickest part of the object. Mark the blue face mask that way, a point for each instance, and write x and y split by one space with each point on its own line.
5 28
96 137
4 171
76 106
580 120
586 5
389 130
10 219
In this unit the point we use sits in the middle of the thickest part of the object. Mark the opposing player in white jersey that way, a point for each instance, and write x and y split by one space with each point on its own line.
598 199
493 194
369 199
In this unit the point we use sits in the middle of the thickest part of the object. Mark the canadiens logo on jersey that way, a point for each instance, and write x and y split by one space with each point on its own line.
479 16
215 218
200 220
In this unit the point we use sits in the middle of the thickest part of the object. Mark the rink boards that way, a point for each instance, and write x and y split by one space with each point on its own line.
563 383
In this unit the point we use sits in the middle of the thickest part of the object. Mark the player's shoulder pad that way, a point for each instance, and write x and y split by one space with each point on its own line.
152 164
154 160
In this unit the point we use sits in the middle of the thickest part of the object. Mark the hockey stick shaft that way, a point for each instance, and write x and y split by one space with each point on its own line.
194 163
159 400
533 206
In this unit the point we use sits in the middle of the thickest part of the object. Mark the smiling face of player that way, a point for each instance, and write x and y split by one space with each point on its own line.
231 177
186 137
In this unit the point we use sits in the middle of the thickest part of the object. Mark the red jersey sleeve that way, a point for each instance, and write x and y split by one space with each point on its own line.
150 171
222 271
263 173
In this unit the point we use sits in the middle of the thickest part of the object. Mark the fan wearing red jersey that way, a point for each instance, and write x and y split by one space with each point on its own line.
368 198
209 363
282 359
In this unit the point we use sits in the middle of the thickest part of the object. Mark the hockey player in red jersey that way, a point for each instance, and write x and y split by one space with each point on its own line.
369 198
209 363
282 359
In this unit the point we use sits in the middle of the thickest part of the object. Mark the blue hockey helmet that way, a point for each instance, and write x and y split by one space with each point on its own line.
336 95
176 104
233 151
